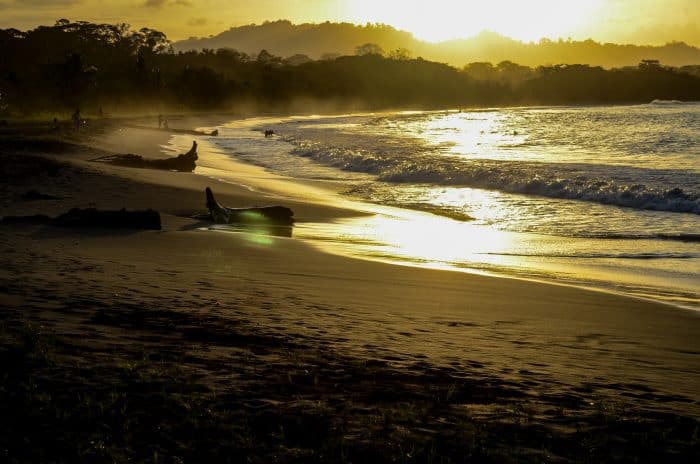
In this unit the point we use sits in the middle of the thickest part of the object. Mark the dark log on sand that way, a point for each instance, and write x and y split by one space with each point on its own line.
182 163
277 215
94 218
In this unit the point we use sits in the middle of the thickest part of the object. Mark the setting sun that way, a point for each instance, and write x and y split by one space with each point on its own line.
440 20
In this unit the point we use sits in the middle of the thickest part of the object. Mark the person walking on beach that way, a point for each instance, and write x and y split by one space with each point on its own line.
160 121
76 119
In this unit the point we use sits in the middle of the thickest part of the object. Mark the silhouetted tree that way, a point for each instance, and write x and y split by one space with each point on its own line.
267 58
368 49
481 71
296 60
400 54
647 64
57 67
513 74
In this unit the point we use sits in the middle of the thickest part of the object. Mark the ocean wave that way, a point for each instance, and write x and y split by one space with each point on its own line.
671 102
687 238
588 255
639 188
529 181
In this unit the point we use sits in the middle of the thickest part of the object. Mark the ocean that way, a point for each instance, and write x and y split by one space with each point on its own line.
604 197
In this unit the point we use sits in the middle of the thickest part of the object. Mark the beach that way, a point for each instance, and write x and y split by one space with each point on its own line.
188 345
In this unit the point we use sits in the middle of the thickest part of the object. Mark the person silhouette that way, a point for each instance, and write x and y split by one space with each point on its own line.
76 119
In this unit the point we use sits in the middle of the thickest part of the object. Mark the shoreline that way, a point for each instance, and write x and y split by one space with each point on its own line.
215 166
279 333
322 234
246 185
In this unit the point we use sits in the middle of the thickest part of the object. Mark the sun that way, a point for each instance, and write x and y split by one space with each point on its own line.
438 20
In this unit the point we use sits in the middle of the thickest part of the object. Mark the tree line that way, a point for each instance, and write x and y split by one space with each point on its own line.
81 64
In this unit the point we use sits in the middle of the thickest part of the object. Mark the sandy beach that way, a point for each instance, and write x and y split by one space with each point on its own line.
192 345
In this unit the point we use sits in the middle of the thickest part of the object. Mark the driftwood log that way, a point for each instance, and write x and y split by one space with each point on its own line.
91 217
183 163
276 215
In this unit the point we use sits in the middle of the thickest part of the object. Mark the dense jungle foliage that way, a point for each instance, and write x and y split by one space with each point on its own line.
95 66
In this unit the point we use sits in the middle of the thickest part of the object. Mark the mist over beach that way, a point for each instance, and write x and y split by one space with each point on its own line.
349 235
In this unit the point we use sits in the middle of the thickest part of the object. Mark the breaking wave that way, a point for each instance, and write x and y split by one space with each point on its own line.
609 191
687 238
646 189
671 102
644 256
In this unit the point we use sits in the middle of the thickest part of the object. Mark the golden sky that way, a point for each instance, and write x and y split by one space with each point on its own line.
629 21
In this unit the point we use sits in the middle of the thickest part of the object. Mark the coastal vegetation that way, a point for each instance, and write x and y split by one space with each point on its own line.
58 68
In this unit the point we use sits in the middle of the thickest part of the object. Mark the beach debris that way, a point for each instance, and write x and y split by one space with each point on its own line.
94 218
278 215
182 163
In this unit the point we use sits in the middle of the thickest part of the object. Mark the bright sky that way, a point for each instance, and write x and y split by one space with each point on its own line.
635 21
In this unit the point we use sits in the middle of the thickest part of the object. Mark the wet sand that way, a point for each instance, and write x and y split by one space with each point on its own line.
196 344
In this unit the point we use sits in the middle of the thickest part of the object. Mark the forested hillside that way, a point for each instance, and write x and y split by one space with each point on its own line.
60 67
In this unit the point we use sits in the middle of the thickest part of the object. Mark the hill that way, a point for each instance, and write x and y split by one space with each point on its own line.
285 39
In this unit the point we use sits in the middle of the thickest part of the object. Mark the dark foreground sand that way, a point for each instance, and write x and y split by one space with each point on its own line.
184 345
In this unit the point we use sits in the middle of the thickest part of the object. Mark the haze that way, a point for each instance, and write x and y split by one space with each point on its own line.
622 21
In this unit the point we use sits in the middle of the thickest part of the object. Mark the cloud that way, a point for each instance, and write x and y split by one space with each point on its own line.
48 3
39 4
197 22
162 3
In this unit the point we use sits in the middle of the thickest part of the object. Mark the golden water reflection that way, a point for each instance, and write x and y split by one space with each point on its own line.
465 132
425 240
413 237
